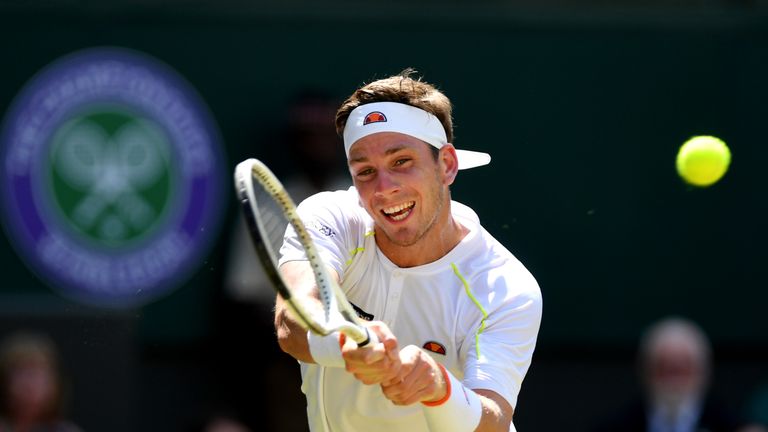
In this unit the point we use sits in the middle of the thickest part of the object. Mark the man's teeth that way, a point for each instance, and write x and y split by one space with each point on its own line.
399 212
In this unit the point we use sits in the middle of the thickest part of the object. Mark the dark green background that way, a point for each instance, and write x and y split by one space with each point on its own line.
583 111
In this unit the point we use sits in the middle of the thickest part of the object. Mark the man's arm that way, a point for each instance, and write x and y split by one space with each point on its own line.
371 364
423 380
497 412
291 336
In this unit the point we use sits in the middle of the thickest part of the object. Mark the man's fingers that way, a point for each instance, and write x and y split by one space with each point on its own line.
391 348
386 337
417 381
405 393
365 355
375 363
382 371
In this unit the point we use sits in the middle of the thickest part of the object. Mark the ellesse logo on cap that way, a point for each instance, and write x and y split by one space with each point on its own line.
374 117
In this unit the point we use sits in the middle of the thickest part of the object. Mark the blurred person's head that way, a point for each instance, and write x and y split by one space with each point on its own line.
30 389
675 356
225 424
316 149
220 419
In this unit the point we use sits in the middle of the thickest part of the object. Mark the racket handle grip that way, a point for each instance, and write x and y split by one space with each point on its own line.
371 340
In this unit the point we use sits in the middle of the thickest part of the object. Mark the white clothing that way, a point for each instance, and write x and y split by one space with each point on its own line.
478 302
246 282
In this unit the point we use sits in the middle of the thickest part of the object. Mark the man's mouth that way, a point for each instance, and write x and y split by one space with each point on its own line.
400 211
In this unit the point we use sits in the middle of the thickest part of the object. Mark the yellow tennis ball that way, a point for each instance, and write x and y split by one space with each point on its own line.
703 160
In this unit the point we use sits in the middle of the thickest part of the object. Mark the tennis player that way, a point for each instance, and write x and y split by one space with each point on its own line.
456 314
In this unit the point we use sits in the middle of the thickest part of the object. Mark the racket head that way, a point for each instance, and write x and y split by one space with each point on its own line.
269 211
266 226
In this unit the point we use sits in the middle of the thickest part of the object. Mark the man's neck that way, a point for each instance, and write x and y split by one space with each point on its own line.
435 244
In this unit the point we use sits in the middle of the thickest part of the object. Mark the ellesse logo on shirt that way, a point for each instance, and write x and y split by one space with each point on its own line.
435 347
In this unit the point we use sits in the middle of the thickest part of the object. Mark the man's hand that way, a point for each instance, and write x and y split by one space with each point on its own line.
373 364
420 379
406 376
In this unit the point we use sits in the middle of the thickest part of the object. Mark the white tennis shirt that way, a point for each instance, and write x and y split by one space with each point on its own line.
476 310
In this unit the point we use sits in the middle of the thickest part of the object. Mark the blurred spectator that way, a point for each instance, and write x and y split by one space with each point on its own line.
31 398
220 421
307 156
675 362
225 424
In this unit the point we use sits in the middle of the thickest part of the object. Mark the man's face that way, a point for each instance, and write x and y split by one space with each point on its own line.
677 370
31 388
401 185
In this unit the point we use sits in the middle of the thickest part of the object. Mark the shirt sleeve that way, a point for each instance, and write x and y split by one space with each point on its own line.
323 216
500 352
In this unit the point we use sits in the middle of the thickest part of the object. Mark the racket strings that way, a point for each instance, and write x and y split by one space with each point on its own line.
273 221
279 215
275 216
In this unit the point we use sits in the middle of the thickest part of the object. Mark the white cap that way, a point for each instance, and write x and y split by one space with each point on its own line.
405 119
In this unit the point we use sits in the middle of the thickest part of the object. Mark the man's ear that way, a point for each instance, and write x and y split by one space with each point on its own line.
449 163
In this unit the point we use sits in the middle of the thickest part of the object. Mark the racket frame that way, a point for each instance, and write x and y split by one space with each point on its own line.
338 313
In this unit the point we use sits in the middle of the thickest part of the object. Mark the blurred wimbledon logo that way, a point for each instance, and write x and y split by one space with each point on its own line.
114 177
111 176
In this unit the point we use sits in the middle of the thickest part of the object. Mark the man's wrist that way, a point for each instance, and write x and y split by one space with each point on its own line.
443 386
459 410
326 350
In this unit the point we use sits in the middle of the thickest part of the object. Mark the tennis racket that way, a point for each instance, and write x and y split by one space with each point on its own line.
269 211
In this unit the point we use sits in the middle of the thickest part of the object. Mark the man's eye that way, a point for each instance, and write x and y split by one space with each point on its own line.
365 172
401 161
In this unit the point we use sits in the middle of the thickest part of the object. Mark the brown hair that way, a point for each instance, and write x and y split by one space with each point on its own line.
401 88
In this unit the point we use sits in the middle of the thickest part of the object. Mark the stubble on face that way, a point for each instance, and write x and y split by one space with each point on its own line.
422 232
397 172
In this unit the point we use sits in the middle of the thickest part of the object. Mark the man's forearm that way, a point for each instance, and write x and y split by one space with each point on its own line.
291 337
497 413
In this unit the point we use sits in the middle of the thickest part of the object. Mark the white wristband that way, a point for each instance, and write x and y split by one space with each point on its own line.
325 350
459 411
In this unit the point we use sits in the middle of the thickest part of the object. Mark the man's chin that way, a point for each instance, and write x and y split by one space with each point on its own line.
401 238
674 399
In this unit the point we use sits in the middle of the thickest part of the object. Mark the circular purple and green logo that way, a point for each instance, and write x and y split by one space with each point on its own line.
112 169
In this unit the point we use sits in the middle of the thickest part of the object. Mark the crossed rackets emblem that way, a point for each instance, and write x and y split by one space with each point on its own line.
110 171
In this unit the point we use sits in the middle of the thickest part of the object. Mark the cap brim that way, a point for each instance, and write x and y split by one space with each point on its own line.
471 159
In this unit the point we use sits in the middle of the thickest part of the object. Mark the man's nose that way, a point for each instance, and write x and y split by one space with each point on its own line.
386 183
